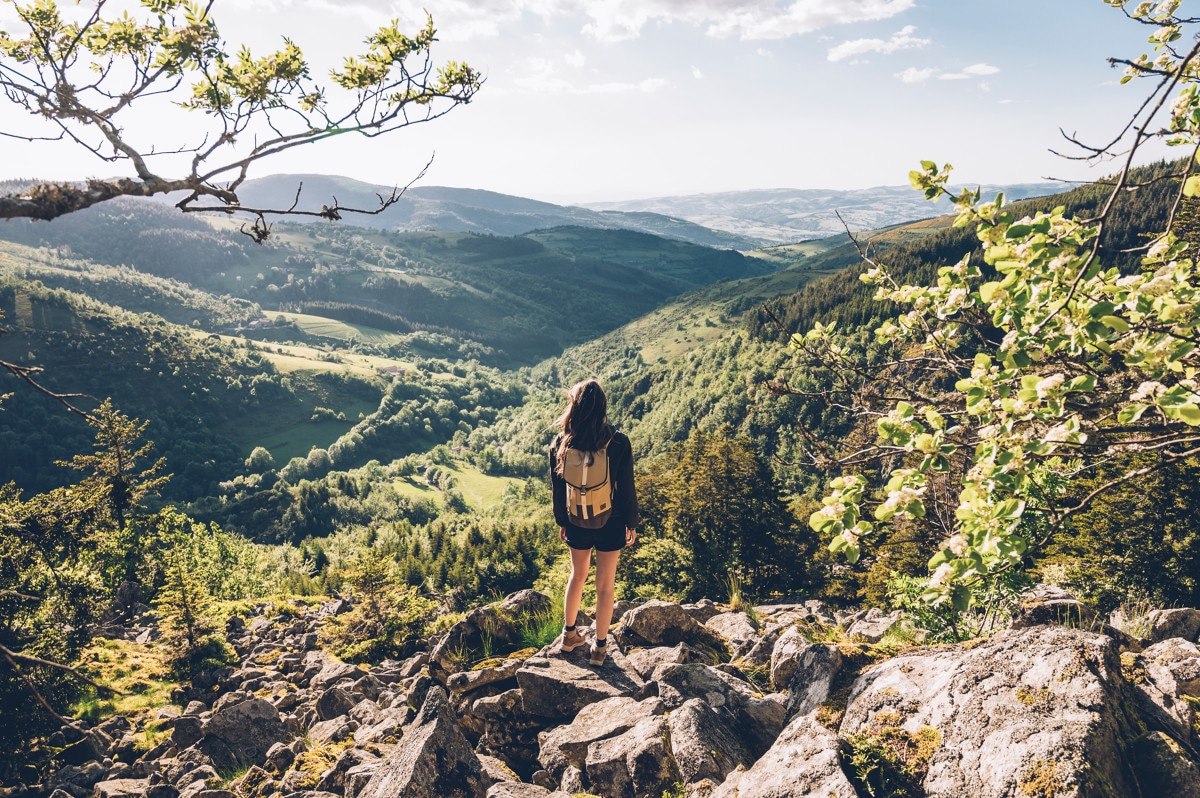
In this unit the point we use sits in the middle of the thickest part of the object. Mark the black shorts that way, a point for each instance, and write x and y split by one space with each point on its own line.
610 537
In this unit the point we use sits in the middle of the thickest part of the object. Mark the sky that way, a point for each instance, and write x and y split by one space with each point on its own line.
601 100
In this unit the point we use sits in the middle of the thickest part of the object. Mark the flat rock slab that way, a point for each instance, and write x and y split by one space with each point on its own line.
559 687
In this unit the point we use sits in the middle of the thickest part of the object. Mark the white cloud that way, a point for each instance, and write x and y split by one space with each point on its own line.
540 76
973 71
697 74
900 40
619 20
914 75
575 59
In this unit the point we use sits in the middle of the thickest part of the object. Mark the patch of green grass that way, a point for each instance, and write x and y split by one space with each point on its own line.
323 327
479 489
543 628
138 672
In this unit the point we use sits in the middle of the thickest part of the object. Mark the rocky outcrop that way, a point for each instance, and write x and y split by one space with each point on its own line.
432 760
692 700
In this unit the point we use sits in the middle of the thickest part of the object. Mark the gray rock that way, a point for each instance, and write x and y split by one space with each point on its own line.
332 672
815 669
786 653
365 713
118 788
495 770
334 779
703 745
1165 624
331 731
432 760
1043 705
804 761
702 610
279 758
501 623
334 702
241 734
358 777
755 719
516 789
1046 604
368 686
736 627
468 681
873 626
664 623
1172 670
568 745
187 731
1163 767
763 648
635 764
645 660
558 687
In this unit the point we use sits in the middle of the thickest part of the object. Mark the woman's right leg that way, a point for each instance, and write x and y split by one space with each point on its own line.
606 577
581 561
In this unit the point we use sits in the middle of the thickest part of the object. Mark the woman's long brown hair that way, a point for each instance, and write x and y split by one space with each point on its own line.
585 421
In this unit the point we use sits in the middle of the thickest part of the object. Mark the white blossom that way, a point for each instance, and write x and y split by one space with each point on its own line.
1049 384
941 574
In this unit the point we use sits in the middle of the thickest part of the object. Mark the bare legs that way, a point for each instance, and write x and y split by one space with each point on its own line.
606 577
581 560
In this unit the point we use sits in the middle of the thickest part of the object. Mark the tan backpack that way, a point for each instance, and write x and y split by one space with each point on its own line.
589 489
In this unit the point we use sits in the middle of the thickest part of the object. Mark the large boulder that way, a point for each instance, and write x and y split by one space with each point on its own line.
240 734
804 761
559 687
1162 625
635 764
1163 768
664 623
1044 706
645 660
567 746
736 627
872 627
501 624
432 760
1047 604
812 677
755 719
1167 678
703 745
334 702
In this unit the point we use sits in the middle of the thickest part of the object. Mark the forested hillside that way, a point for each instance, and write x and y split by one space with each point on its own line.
354 406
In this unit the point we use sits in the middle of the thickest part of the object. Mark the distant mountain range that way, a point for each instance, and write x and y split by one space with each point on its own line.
466 210
740 220
787 215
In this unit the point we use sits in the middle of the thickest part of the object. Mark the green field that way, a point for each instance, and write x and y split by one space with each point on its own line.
323 327
480 490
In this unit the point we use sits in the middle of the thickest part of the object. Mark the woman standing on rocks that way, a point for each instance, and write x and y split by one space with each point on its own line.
595 505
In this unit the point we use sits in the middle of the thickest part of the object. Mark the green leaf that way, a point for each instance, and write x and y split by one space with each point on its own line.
1191 187
1190 414
960 598
1131 413
1116 323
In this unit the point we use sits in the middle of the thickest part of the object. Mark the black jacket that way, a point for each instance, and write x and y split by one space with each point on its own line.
620 466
